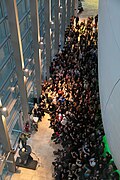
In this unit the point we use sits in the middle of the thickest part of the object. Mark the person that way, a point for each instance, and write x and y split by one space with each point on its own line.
96 20
25 155
77 122
77 20
23 140
23 158
27 127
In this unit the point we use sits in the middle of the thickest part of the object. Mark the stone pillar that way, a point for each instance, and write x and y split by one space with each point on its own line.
57 9
47 14
63 23
68 12
18 53
109 73
5 141
36 43
75 7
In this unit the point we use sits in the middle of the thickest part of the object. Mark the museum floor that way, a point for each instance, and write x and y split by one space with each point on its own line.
90 8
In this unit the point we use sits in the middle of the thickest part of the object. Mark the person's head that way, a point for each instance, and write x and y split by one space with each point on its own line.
104 160
87 173
59 167
79 169
100 166
110 167
108 155
22 135
115 175
23 150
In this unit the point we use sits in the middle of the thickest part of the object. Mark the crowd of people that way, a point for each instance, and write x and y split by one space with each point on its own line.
72 95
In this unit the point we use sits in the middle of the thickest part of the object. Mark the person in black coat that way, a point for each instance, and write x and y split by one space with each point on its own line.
77 20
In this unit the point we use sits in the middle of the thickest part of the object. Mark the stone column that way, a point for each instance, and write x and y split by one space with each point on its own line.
109 73
18 53
5 141
75 7
36 44
47 14
57 9
68 11
63 23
